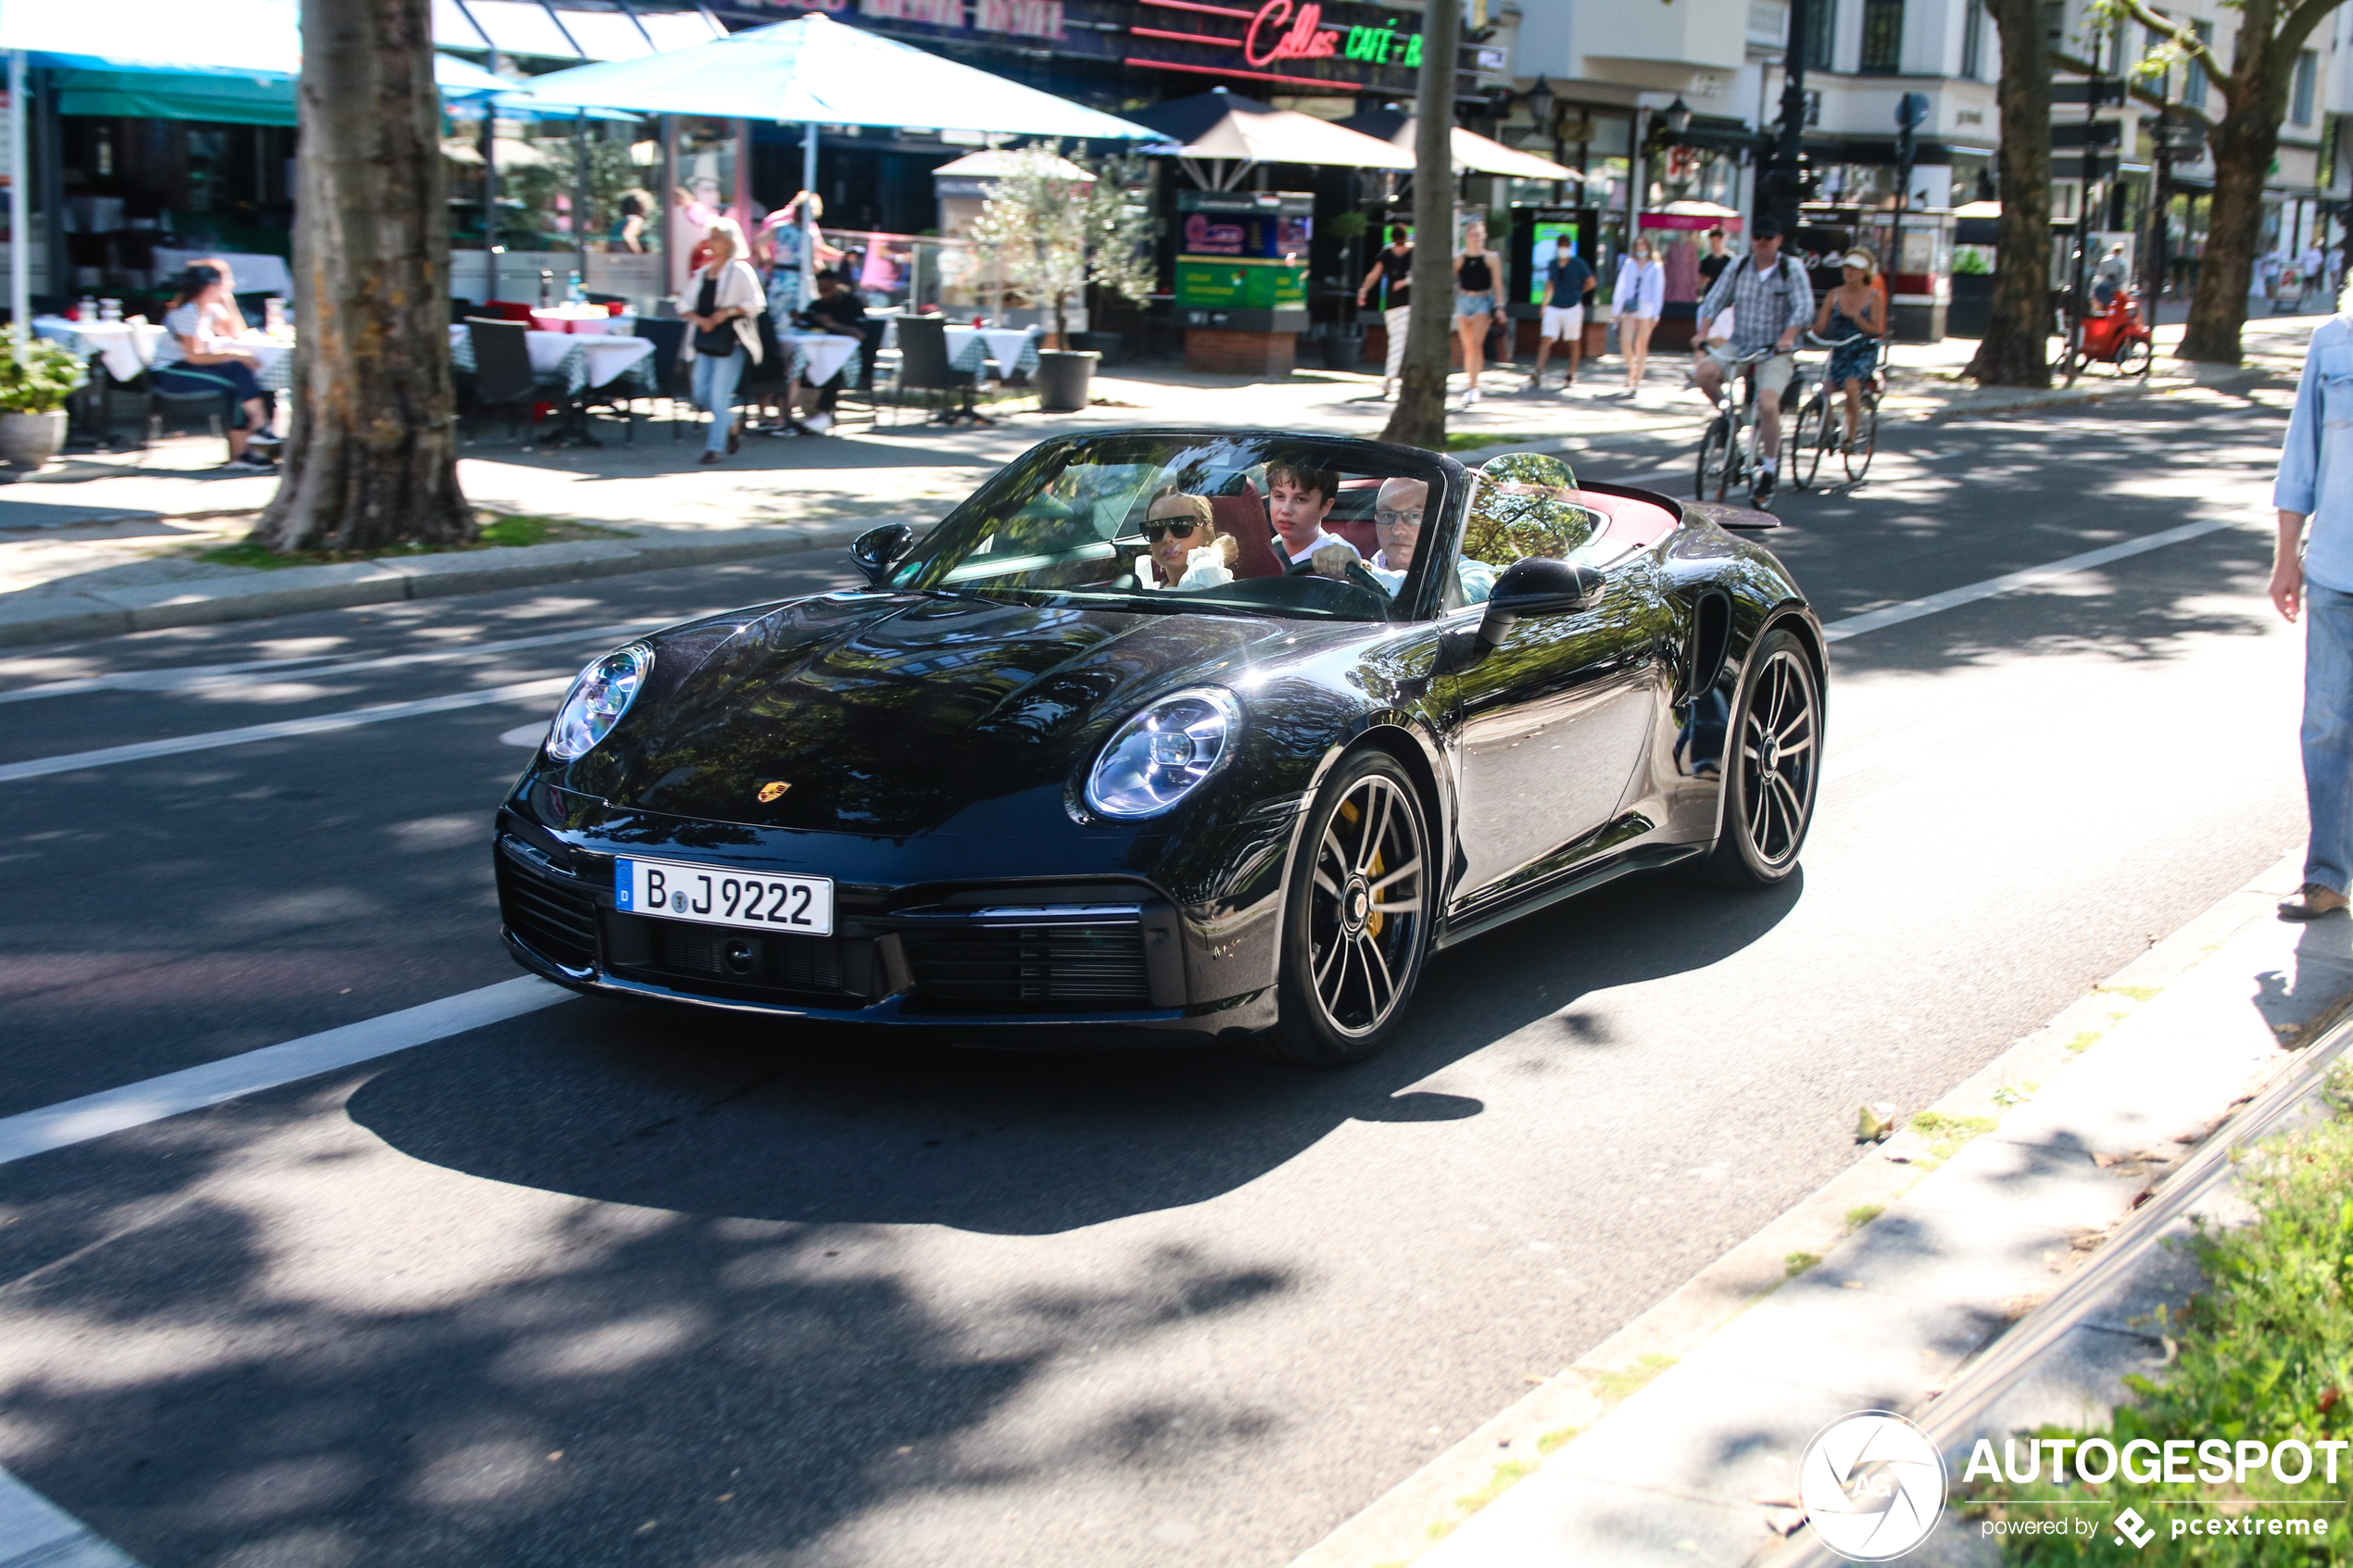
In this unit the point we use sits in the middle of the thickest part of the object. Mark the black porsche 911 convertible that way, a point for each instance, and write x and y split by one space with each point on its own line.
1201 735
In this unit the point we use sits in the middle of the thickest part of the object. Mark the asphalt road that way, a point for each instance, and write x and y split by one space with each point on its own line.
602 1285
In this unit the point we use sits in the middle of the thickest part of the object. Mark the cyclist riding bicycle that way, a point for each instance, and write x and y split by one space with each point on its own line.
1852 321
1772 302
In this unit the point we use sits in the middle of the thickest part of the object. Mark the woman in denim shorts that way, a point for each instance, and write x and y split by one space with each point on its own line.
1479 291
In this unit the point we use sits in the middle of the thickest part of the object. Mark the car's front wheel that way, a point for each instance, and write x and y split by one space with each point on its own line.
1357 919
1772 769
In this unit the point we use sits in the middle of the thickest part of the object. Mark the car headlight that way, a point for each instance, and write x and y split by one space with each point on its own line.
597 700
1164 752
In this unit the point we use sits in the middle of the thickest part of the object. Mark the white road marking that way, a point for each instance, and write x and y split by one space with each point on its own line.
200 677
36 1533
319 723
191 1088
523 734
1952 598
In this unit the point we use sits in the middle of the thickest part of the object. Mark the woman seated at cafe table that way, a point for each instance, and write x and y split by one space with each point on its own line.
1183 550
198 354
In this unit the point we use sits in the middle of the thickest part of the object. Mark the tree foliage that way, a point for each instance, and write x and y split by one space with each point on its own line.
1058 223
2254 86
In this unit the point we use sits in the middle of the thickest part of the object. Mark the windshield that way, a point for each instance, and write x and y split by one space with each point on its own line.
1260 525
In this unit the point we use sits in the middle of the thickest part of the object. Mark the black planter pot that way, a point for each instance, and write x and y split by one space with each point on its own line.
1063 376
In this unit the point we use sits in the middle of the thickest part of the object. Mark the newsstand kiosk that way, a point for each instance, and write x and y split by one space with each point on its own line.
1242 279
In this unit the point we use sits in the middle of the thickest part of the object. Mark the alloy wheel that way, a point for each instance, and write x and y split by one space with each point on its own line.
1779 735
1364 920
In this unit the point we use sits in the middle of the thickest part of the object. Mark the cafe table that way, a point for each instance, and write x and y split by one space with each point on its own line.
1014 349
125 348
818 356
582 362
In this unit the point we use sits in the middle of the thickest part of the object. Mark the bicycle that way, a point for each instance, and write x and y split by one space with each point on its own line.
1723 462
1817 427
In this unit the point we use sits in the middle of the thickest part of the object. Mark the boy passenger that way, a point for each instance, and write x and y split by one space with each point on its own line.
1298 499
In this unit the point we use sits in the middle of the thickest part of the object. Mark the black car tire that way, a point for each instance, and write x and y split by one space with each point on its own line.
1355 916
1769 789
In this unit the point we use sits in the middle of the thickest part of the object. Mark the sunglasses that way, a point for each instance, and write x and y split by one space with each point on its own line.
1170 527
1387 518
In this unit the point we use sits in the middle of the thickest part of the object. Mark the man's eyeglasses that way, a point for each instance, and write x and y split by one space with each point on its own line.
1167 527
1384 518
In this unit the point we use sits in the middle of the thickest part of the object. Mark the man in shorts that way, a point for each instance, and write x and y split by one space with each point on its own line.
1568 286
1772 301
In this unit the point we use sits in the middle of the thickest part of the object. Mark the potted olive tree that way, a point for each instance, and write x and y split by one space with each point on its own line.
35 379
1057 224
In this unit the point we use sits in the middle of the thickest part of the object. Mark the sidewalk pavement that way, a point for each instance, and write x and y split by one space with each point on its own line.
101 544
1940 1265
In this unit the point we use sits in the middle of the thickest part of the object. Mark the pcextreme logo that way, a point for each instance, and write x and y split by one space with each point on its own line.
1872 1486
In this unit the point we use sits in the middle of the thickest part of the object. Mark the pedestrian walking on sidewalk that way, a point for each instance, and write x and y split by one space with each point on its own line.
1393 271
1639 298
1568 289
2315 576
721 306
1479 302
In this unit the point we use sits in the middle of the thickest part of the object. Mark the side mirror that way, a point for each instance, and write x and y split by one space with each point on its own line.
1539 585
878 550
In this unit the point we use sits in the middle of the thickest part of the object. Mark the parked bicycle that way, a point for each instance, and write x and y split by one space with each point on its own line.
1819 423
1728 454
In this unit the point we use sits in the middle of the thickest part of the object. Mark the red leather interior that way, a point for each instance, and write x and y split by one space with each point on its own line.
1351 515
1640 524
1243 520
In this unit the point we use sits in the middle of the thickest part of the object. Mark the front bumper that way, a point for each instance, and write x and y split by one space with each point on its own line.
1012 962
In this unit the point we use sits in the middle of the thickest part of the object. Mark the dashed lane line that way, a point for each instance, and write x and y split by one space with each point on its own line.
191 1088
318 723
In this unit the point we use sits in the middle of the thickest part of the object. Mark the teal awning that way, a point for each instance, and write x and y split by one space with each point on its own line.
154 94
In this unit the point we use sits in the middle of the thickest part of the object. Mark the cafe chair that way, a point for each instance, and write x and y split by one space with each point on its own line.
503 375
924 367
670 377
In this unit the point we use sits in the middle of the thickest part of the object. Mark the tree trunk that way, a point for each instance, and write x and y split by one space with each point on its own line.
2245 143
2016 350
1419 419
372 458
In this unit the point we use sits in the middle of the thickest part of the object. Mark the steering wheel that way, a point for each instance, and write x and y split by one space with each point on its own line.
1355 574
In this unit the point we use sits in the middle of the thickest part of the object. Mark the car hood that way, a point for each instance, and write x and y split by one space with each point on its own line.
889 714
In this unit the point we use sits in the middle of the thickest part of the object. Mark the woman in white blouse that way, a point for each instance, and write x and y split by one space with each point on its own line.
721 306
1642 295
198 354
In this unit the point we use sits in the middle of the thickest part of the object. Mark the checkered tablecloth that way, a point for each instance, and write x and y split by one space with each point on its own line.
125 349
277 362
817 356
1014 352
580 361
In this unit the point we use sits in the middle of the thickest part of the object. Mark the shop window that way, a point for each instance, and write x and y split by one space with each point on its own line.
1883 36
2307 71
1973 41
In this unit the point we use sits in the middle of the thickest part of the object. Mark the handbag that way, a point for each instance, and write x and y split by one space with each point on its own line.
718 342
1497 348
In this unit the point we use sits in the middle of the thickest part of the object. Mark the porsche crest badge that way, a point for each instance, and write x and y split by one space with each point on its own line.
771 789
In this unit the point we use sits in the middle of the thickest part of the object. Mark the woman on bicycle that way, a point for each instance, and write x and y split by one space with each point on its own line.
1479 301
1853 315
1639 298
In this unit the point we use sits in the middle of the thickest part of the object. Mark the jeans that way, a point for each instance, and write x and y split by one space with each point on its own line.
2328 734
715 379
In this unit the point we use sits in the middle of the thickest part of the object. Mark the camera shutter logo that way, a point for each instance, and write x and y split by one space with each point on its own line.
1872 1486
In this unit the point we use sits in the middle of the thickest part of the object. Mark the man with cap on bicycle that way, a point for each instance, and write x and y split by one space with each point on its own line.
1772 300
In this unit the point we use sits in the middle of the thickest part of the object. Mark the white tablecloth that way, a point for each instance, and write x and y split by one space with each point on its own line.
1012 348
254 274
582 362
277 358
816 355
125 349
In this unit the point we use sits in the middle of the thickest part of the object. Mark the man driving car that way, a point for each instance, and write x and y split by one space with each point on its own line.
1397 524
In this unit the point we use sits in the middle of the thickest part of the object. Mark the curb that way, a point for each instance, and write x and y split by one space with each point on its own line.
34 617
1453 1489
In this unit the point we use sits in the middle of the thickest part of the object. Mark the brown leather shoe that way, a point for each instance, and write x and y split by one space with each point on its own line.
2312 901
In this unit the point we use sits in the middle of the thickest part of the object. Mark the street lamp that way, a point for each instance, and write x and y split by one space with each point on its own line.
1540 101
1677 116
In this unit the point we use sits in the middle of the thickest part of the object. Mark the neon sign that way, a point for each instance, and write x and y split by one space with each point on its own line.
1308 39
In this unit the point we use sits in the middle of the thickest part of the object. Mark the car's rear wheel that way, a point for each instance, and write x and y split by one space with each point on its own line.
1772 769
1357 921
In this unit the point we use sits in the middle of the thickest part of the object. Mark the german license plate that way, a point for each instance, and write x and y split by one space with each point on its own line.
715 896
